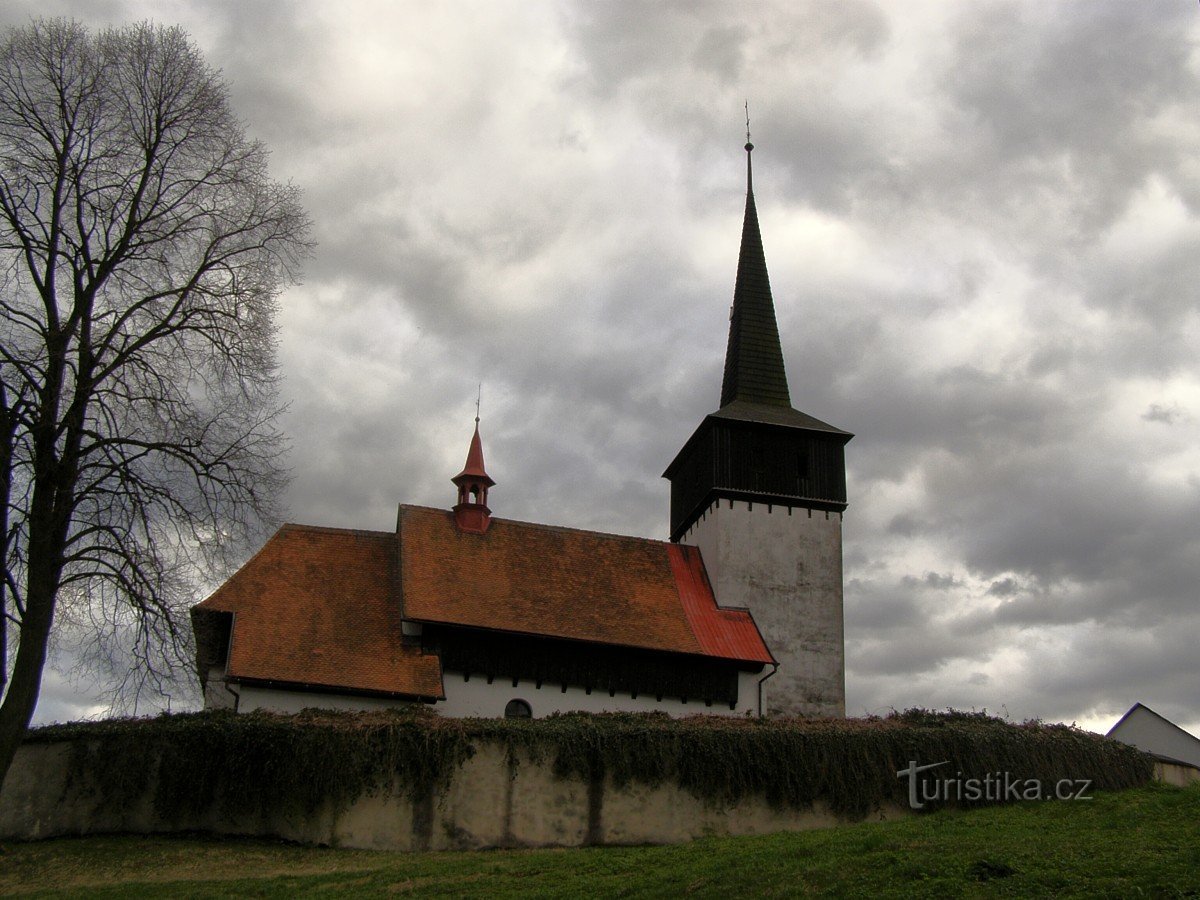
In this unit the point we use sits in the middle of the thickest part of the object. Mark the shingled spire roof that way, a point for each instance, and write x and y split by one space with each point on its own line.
754 370
755 385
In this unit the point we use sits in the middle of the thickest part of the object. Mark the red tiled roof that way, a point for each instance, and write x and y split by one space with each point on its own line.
321 607
730 633
317 607
564 583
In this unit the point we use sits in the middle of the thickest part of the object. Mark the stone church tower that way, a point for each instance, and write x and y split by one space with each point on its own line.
760 488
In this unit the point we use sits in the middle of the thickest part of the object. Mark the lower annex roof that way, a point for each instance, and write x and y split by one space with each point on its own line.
316 607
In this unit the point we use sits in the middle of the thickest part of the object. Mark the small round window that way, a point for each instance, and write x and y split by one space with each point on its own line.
518 709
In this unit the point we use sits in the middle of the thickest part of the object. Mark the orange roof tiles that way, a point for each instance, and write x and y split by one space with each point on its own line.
322 607
317 607
564 583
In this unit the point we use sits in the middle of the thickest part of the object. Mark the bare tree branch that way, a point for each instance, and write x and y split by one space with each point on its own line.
142 249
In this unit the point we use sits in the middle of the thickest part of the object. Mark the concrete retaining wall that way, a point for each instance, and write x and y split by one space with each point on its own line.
1177 774
490 802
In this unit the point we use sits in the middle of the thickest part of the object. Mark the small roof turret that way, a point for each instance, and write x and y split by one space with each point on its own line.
471 513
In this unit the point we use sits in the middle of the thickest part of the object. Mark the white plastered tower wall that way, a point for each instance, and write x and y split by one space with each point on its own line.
784 564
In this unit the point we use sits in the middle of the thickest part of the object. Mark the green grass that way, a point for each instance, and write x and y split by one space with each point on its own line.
1140 842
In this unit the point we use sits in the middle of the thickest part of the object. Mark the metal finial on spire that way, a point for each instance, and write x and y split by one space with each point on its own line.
749 148
478 397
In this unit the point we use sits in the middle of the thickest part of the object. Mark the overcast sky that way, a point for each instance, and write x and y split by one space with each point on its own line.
981 222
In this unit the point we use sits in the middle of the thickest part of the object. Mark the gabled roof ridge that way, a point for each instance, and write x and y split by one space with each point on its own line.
542 526
329 529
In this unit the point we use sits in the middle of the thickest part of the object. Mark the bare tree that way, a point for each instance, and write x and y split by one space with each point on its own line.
142 248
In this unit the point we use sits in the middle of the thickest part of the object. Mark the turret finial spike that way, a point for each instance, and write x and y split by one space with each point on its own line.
478 397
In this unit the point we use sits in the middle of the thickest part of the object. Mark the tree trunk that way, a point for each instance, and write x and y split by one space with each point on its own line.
8 426
50 508
47 535
22 695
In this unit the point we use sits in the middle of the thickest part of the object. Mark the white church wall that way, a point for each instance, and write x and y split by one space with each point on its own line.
478 698
785 566
475 697
253 698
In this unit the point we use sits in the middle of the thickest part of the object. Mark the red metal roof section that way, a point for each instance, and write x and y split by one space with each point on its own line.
317 607
729 633
474 467
564 583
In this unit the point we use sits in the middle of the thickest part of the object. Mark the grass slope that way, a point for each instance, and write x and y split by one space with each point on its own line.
1144 841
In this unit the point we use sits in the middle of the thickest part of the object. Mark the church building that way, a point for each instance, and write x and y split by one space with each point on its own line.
740 612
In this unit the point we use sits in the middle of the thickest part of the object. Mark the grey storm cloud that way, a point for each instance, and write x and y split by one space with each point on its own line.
981 224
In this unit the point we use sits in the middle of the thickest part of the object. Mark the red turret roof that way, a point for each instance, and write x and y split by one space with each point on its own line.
474 468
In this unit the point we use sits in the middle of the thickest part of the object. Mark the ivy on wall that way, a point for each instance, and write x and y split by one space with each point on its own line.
250 763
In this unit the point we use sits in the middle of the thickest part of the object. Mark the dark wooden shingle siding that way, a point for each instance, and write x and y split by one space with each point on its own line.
770 464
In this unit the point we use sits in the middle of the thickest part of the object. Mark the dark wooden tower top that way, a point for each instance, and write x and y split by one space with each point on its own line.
756 446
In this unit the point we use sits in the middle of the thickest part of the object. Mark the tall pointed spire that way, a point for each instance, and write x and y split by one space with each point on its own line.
754 370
